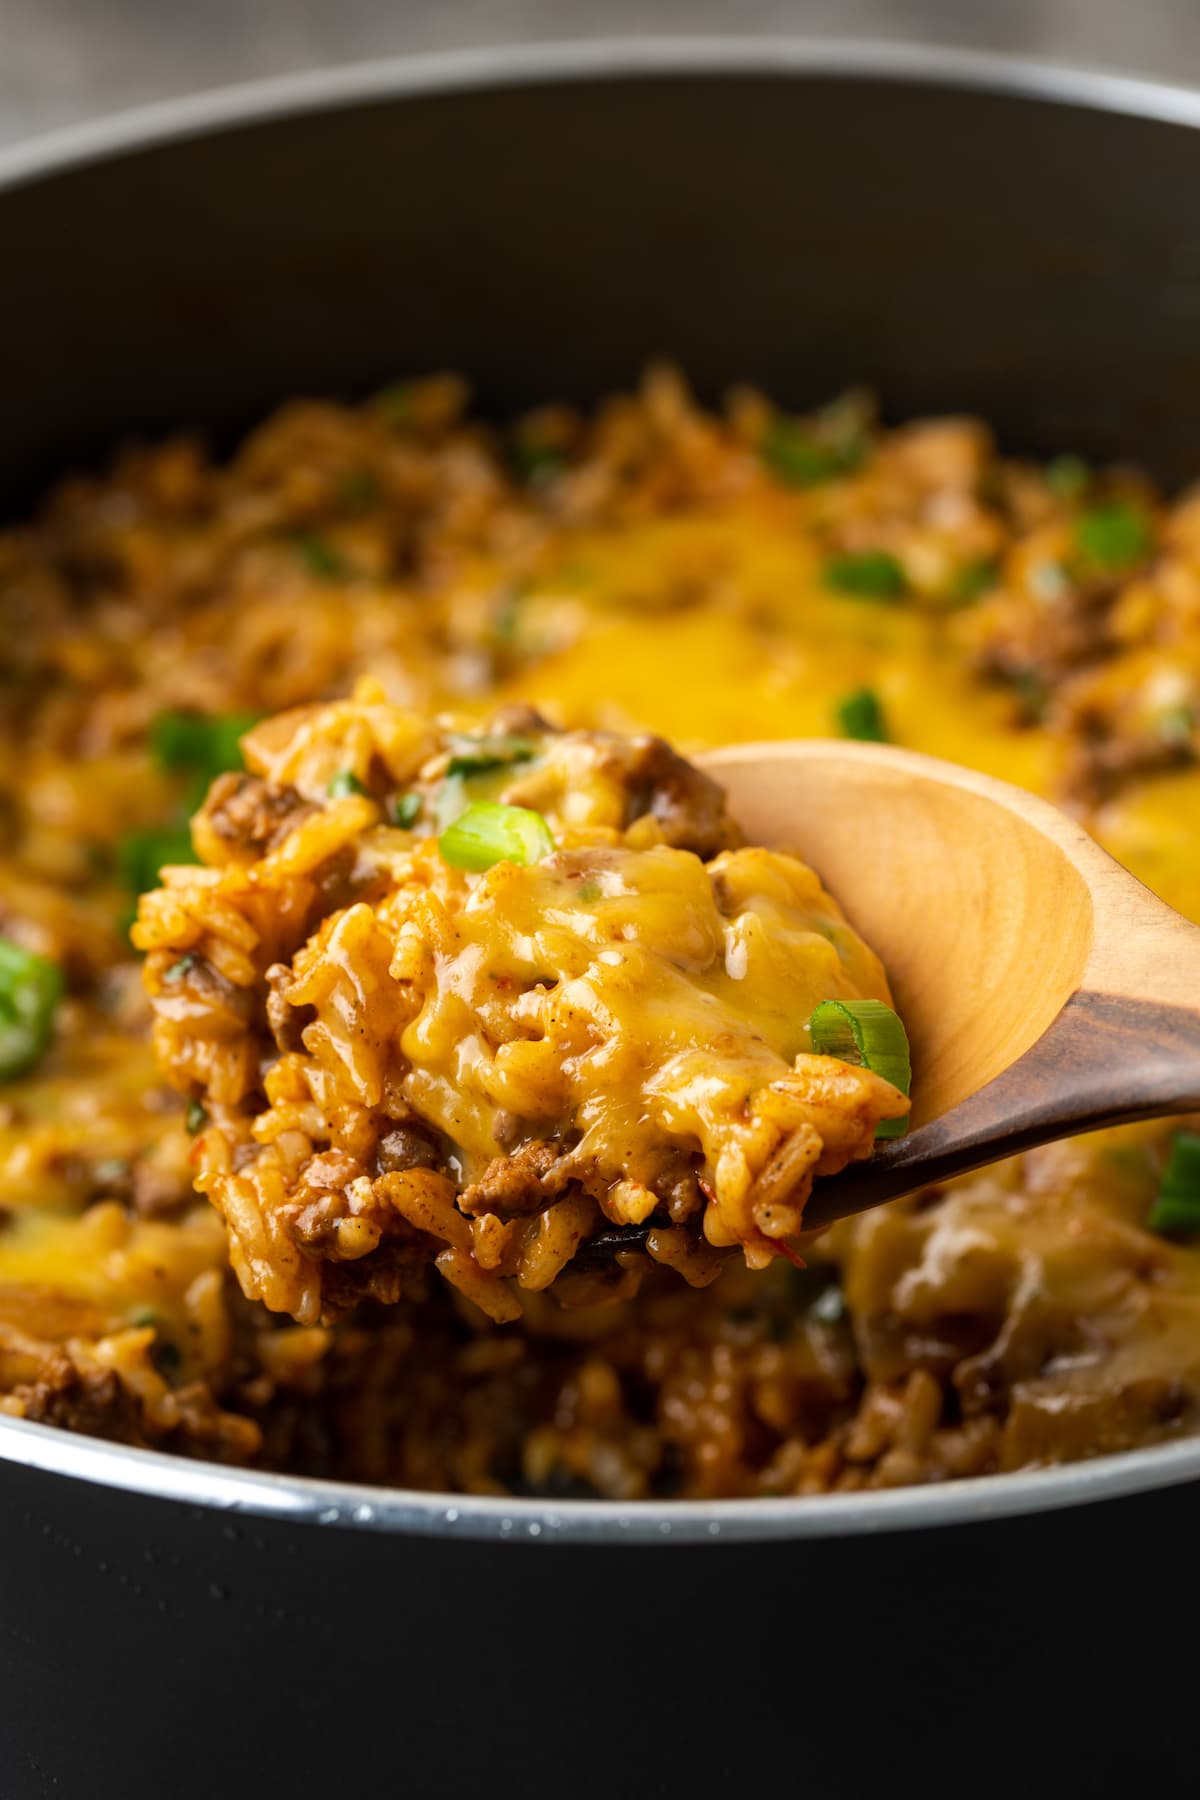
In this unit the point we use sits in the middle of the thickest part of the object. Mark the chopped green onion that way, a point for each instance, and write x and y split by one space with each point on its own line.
589 889
1113 535
488 833
343 783
1175 724
476 755
142 854
31 987
860 715
1068 476
973 578
200 745
395 404
870 1035
450 801
145 1315
359 490
802 459
867 574
196 1118
406 810
1176 1209
323 558
536 461
179 969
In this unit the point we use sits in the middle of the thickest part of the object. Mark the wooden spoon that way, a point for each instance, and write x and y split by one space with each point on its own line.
1045 991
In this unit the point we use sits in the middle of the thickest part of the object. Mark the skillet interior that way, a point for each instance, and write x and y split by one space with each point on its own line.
965 249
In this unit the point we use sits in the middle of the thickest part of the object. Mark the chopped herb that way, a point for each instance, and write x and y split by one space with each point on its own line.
973 578
359 490
395 404
1032 695
343 783
800 459
488 833
406 810
323 558
476 755
833 442
1176 1209
1068 477
589 889
860 715
31 987
142 854
179 969
145 1315
867 574
450 801
1113 535
199 744
536 461
1176 724
196 1118
870 1035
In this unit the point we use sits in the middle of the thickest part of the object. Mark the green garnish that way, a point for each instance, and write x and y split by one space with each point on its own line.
142 854
31 987
195 1118
860 715
406 810
179 969
1176 724
973 578
200 745
1176 1209
476 755
870 1035
359 490
343 783
536 461
323 558
1068 476
394 403
450 801
589 889
145 1315
488 833
802 460
867 574
1113 535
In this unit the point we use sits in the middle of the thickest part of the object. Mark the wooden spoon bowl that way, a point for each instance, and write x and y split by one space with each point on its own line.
1045 991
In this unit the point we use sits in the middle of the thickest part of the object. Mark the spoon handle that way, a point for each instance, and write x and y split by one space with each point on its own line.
1124 1051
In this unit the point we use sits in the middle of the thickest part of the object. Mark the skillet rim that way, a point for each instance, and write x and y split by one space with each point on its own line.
405 1512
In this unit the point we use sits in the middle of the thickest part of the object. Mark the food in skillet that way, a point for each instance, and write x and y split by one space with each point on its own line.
655 566
514 1001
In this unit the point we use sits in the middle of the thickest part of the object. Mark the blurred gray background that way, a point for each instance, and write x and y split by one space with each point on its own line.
64 60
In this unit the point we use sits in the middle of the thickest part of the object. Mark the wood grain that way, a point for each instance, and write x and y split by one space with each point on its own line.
1044 989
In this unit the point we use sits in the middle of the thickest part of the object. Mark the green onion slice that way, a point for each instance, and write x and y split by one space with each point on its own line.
867 575
1113 535
30 990
345 782
198 744
475 755
1176 1208
406 810
860 715
488 833
870 1035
